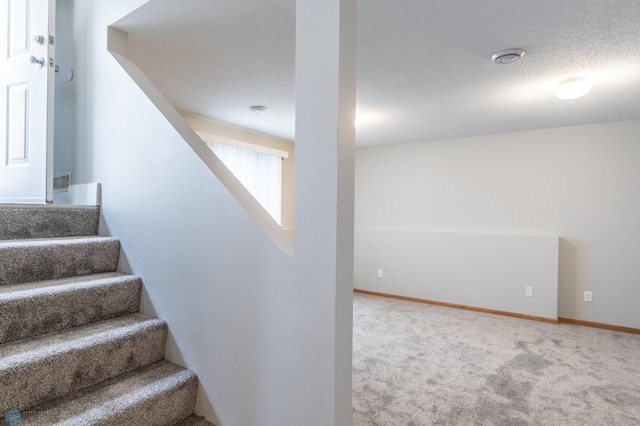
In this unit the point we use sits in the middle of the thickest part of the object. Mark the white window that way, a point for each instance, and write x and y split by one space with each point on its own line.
260 173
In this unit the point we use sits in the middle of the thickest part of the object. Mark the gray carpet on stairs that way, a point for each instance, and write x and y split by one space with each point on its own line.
23 261
47 306
47 222
52 365
418 364
73 349
194 421
158 394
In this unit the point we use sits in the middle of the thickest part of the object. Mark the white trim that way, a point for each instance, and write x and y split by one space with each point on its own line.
208 137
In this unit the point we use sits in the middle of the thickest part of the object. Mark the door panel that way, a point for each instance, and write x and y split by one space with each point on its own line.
18 28
26 101
17 124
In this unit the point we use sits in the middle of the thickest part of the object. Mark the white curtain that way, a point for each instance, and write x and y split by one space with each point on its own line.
260 173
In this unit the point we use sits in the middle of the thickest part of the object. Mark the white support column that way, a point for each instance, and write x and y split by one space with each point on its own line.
324 176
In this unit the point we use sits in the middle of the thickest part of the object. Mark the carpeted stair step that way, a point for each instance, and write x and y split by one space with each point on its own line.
21 222
156 395
23 261
194 421
49 366
32 309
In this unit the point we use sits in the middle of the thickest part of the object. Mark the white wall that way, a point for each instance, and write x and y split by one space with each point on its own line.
269 338
64 123
478 270
580 183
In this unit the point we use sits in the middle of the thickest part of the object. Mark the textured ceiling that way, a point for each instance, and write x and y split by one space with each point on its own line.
424 67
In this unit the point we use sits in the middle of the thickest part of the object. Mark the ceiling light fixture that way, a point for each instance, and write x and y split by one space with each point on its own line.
259 109
573 88
507 56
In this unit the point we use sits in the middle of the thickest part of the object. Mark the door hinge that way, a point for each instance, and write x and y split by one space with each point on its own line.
51 40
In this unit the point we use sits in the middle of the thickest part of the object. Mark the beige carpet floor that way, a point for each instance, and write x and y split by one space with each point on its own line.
418 364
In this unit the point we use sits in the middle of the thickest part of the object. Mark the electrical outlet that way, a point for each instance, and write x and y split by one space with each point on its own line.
588 296
528 291
380 273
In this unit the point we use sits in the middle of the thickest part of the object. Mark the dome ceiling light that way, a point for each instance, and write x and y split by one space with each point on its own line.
507 56
573 88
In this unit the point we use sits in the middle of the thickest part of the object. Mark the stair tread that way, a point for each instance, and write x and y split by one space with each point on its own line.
38 242
42 221
17 353
49 286
42 307
23 261
99 404
37 369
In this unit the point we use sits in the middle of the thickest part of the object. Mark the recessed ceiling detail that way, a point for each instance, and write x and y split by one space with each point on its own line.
507 56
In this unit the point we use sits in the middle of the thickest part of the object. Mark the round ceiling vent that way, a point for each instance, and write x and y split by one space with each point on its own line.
507 56
258 109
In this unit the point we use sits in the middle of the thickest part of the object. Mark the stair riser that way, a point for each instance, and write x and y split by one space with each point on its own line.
32 222
61 309
28 263
165 409
158 394
33 382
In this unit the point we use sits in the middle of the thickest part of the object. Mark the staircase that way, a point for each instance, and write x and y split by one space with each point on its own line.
73 348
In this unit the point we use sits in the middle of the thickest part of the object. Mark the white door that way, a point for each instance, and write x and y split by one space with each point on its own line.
26 100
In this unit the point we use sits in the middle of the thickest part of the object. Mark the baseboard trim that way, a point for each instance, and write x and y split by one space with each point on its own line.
600 325
453 305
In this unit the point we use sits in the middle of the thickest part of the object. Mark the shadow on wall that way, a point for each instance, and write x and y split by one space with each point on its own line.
567 278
